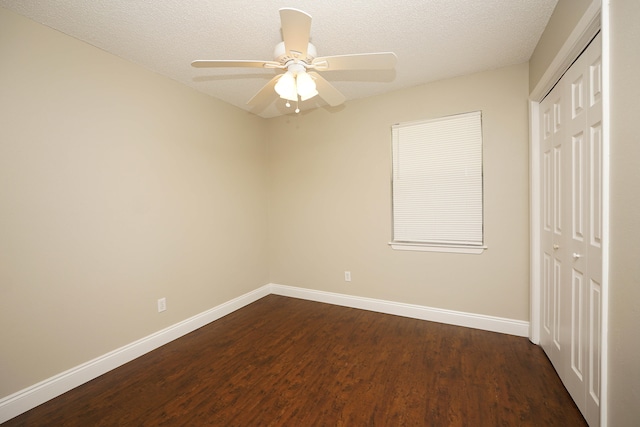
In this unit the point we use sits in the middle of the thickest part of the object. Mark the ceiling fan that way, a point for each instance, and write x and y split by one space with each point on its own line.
298 58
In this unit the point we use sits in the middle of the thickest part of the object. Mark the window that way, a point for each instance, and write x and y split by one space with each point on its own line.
437 184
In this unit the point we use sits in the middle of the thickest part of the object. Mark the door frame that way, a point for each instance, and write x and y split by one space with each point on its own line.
594 19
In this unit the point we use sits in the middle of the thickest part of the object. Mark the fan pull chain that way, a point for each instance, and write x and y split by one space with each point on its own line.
288 105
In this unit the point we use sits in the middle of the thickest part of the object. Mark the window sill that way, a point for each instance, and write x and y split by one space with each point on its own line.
402 246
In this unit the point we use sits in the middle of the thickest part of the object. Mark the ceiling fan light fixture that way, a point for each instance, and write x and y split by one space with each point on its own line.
286 87
306 86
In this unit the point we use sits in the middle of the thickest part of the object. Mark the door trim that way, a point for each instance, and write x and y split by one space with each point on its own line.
582 34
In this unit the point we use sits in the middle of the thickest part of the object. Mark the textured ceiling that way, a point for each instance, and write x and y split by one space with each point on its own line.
433 39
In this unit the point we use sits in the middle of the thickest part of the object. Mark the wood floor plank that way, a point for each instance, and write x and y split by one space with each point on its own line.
289 362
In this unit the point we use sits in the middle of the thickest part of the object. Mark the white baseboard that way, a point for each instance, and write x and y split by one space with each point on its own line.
30 397
24 400
458 318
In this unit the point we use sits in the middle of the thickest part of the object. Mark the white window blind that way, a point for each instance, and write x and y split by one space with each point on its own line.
437 181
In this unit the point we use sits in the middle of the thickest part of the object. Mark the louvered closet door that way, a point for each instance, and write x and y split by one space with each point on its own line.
571 120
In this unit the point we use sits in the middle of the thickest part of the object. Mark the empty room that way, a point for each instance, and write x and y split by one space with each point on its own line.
319 213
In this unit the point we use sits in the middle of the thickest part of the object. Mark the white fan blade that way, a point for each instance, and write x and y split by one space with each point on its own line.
326 91
237 64
362 61
266 94
296 27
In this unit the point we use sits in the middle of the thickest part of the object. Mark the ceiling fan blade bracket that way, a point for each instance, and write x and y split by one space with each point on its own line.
319 65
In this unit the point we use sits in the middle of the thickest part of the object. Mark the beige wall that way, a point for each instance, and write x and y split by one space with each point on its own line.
330 199
624 293
564 19
117 187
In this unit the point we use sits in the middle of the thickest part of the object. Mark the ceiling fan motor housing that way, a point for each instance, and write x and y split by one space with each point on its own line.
280 54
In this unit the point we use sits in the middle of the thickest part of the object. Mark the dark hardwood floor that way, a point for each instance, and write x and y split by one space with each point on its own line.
289 362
